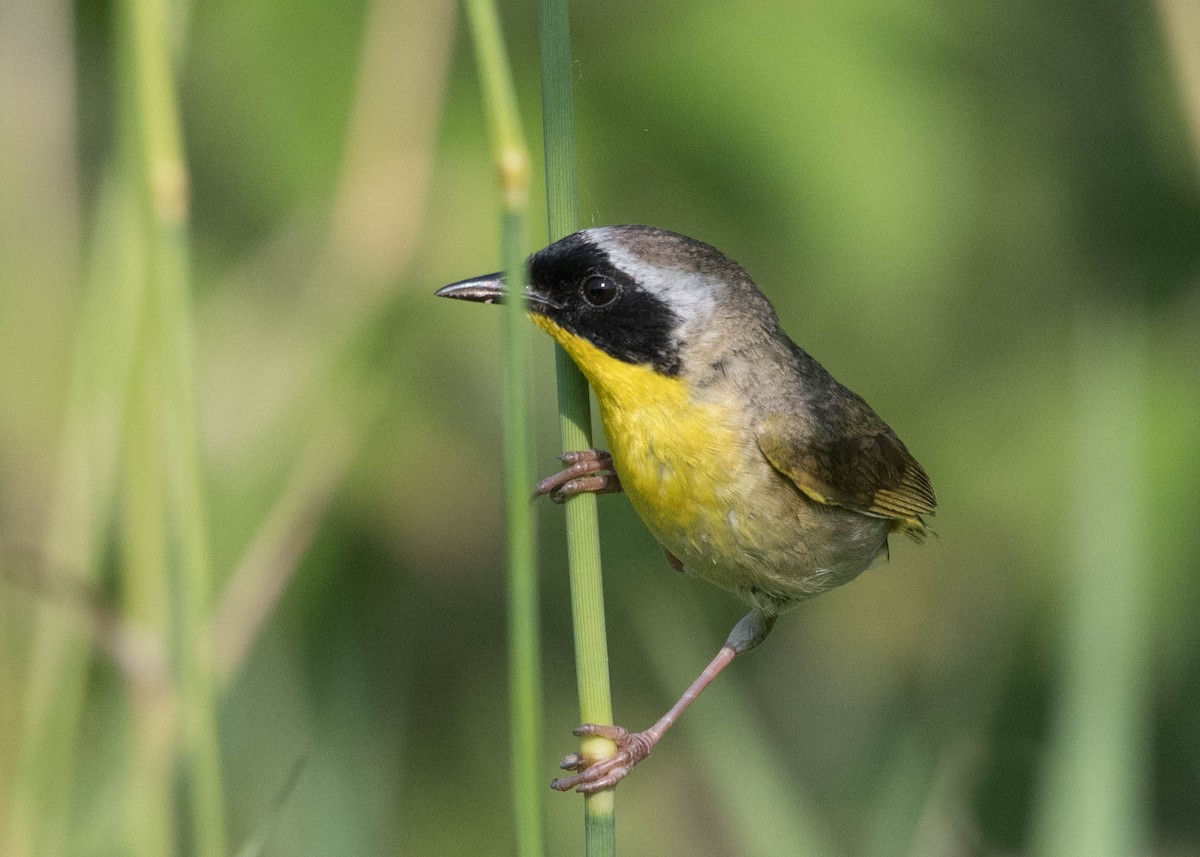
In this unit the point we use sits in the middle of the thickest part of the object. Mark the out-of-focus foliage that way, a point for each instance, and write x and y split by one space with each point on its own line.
934 195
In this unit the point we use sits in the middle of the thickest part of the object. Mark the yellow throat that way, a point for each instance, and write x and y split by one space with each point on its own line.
674 455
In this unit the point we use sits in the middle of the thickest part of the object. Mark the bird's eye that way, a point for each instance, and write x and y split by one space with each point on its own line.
598 290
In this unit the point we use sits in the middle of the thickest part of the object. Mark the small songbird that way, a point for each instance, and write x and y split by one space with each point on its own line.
752 467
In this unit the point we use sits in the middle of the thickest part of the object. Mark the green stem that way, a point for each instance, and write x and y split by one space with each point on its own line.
82 511
1095 796
575 421
525 692
146 606
165 194
523 626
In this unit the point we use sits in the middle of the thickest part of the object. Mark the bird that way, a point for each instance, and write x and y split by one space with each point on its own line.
752 467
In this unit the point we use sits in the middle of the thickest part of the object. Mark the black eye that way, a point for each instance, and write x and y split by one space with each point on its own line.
598 290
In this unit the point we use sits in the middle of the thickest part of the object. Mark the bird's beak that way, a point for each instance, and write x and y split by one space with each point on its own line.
491 289
488 289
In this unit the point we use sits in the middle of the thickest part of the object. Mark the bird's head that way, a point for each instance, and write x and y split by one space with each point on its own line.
638 293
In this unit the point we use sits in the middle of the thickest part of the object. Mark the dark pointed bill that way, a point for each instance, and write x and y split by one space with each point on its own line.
489 289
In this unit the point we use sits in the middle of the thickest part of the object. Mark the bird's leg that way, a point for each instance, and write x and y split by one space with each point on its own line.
587 470
633 747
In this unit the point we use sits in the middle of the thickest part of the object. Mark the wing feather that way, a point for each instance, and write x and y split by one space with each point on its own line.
869 471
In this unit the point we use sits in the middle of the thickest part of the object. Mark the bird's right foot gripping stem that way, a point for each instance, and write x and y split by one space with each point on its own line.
587 471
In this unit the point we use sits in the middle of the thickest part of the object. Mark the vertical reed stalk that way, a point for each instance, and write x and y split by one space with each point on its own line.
1095 798
56 684
149 822
1180 22
146 608
525 692
55 687
164 179
575 421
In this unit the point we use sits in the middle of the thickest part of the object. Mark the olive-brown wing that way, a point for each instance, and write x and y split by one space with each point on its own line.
869 472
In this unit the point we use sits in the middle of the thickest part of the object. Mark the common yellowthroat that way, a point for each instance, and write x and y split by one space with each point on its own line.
752 467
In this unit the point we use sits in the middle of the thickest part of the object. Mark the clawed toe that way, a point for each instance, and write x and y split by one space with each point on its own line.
632 747
616 734
587 471
573 762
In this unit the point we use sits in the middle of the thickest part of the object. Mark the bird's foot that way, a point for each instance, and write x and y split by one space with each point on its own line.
587 471
605 773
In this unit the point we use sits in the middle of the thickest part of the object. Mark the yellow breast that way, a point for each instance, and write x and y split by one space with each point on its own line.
675 456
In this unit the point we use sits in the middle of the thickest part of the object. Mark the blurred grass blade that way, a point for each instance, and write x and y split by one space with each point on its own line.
257 842
575 425
92 619
1094 799
939 829
146 603
525 691
923 790
258 582
149 78
81 513
1181 26
905 785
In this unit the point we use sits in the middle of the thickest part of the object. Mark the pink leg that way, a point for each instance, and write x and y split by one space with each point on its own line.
587 470
633 747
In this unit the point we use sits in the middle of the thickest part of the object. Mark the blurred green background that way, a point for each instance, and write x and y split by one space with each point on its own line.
985 218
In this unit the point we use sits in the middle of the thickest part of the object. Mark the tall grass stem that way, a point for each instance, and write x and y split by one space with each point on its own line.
1095 799
43 774
164 179
525 692
146 606
575 423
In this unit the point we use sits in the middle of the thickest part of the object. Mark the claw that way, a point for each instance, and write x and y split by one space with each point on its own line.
573 762
616 734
